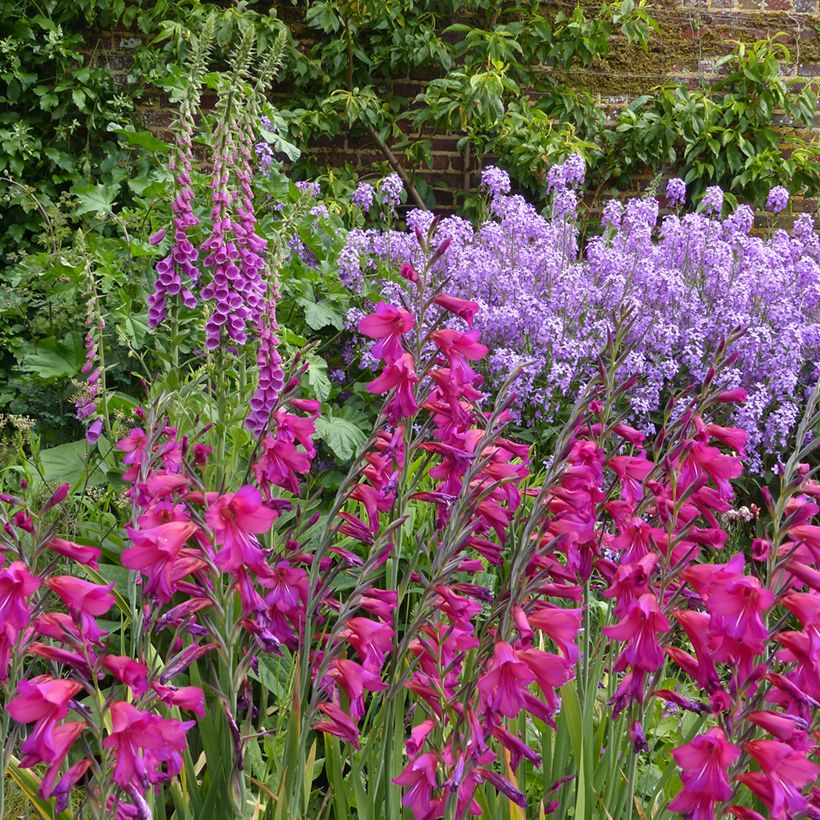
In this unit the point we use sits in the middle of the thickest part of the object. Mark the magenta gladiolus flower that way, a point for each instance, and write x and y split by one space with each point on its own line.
44 702
463 308
90 556
82 598
132 673
388 324
400 375
16 585
784 772
147 747
338 724
158 554
419 779
562 625
354 679
641 626
236 519
704 763
64 737
502 688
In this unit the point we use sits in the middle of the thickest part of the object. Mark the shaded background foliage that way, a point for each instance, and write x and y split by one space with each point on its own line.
82 116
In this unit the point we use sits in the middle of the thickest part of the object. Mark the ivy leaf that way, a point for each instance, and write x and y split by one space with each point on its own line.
54 358
343 436
321 314
317 377
95 198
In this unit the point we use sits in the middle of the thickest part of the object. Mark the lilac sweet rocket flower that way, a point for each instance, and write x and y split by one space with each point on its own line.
676 191
363 196
569 174
390 190
777 200
712 201
687 281
309 188
264 157
495 181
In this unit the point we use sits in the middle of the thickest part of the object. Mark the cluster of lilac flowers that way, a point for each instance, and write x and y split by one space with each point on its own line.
363 196
390 191
686 282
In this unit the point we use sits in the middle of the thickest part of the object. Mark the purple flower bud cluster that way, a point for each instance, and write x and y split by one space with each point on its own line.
777 200
390 190
309 188
363 196
712 201
271 374
568 175
687 280
180 265
676 191
264 157
495 181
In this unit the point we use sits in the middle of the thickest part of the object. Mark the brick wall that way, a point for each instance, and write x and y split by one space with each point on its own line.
693 35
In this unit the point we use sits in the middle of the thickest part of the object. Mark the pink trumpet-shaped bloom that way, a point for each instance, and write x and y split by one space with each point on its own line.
400 375
355 679
144 743
503 686
740 604
463 308
338 723
388 324
236 519
44 702
16 586
132 673
419 780
158 554
641 626
704 763
90 556
85 602
64 737
784 772
82 597
561 625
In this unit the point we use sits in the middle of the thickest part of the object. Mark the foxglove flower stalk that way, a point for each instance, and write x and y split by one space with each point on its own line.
177 272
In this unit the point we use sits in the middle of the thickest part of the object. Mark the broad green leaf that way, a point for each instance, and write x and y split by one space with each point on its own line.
317 377
321 314
342 436
95 198
67 462
55 359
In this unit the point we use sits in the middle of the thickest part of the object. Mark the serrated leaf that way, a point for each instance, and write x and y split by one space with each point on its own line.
55 358
95 198
342 436
321 314
317 377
